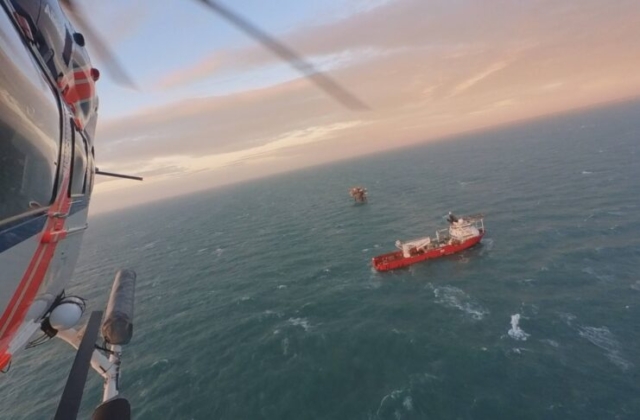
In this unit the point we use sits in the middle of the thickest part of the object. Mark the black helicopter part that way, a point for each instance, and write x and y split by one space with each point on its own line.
74 388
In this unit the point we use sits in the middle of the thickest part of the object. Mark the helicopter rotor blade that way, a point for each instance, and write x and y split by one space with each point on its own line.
324 82
109 59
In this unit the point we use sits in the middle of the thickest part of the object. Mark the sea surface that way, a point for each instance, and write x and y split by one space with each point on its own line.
258 301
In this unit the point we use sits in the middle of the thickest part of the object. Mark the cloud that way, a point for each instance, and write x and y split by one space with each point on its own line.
457 29
426 68
373 32
168 166
191 74
493 68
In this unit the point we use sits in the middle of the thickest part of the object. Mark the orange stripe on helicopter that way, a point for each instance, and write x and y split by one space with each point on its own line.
21 301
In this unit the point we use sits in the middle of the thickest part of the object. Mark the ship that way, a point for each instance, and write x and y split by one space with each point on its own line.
462 233
359 194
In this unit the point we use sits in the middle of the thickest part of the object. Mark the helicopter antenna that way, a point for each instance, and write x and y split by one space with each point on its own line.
115 175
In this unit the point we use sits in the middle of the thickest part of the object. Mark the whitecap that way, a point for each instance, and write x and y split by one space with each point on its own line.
636 286
425 377
269 313
388 401
408 403
586 173
452 297
528 282
550 342
395 405
516 332
599 276
282 286
300 322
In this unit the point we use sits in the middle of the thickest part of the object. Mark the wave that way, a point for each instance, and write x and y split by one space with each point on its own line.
567 318
393 404
516 332
486 245
399 403
550 342
599 276
452 297
603 338
300 322
268 313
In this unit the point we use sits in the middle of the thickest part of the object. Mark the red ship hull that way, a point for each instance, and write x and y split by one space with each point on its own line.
394 260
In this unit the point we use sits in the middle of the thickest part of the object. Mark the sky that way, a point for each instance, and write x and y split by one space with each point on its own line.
214 108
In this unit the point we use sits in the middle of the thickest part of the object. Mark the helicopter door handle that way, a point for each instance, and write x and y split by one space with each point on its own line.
58 235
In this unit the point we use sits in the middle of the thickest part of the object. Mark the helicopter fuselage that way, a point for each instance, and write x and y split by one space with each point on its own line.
48 111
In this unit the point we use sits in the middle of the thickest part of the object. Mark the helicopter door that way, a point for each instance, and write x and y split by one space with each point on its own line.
67 250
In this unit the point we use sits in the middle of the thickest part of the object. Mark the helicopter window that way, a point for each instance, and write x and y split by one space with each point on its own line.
30 134
79 169
27 175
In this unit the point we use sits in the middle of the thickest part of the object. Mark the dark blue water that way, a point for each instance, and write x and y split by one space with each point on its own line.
258 301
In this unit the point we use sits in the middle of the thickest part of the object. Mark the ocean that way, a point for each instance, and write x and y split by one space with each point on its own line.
258 301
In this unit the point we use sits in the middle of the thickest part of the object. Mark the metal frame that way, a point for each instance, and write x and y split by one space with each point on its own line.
107 367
